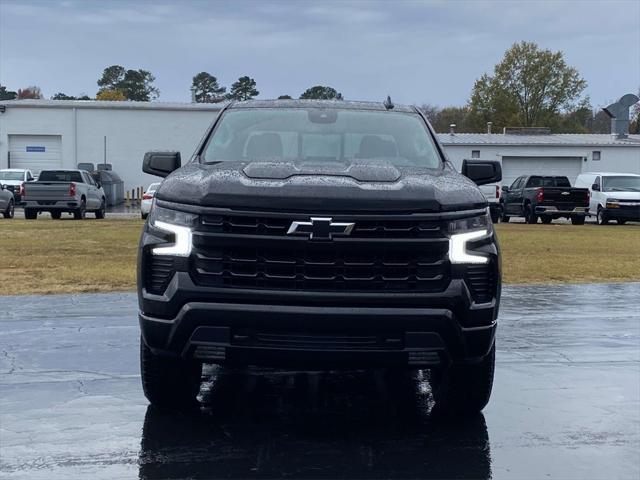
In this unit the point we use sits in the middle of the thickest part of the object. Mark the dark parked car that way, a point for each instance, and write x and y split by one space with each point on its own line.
547 198
311 234
7 202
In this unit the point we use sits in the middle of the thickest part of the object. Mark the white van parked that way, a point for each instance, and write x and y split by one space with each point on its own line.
614 196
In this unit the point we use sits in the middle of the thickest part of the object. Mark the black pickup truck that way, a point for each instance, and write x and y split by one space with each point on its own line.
323 235
547 198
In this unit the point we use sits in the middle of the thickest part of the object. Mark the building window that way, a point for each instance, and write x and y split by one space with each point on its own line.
476 154
595 155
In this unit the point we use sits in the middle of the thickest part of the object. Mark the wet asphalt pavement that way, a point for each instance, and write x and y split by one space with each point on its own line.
566 402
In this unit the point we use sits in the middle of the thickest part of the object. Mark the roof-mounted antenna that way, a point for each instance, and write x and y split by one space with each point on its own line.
388 104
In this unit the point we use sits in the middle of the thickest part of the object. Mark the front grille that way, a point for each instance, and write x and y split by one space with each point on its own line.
308 268
277 226
292 340
158 272
401 254
481 280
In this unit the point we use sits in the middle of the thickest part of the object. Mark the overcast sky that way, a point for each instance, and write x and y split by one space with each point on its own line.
419 52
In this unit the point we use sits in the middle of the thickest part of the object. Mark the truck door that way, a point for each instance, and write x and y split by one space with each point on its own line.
92 192
511 204
596 195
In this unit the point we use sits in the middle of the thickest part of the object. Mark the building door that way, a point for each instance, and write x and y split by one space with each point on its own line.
513 167
35 152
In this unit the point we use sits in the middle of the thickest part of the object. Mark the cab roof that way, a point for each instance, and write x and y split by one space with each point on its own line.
337 104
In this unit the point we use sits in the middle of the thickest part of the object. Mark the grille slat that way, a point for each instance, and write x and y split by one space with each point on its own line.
275 226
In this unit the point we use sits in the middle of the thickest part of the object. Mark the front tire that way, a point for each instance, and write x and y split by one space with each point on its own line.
465 389
30 214
546 220
495 216
169 381
10 211
621 222
56 215
601 217
577 220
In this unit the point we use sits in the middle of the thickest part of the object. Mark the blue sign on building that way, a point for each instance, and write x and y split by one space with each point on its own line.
35 149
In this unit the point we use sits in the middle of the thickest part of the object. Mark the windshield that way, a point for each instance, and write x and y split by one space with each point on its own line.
11 175
59 176
322 135
621 184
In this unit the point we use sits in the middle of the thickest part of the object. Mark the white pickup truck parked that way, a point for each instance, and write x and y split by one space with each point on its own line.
58 191
14 180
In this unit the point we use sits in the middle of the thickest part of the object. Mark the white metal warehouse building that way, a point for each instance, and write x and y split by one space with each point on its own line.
43 134
553 154
39 134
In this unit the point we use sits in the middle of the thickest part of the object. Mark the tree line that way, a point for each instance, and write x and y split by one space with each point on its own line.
120 84
529 87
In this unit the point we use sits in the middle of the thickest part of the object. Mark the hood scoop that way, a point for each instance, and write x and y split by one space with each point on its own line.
372 171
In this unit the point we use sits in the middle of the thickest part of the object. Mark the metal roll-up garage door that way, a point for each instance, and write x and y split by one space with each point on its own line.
35 152
513 167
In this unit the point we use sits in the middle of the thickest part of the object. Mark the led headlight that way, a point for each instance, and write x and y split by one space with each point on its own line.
177 223
464 231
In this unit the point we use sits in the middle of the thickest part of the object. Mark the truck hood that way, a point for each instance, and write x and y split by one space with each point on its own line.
15 183
622 195
375 186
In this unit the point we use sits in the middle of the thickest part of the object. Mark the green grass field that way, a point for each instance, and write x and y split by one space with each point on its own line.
63 256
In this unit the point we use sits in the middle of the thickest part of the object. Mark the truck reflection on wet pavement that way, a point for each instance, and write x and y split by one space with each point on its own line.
321 425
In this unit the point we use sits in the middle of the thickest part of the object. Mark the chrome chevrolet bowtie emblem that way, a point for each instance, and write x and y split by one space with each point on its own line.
565 193
320 228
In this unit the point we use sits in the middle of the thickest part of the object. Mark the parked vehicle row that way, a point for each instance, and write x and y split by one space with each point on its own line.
606 196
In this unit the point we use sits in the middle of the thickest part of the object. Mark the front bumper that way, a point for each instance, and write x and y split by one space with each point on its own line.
245 328
623 213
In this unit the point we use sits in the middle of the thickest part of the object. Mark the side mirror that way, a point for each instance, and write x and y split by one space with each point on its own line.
482 172
505 189
1 186
161 164
595 187
98 184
